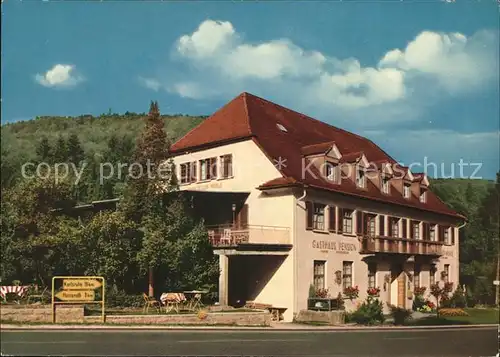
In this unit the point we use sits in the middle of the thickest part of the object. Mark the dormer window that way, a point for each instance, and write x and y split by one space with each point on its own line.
331 172
360 178
406 190
423 195
385 185
281 127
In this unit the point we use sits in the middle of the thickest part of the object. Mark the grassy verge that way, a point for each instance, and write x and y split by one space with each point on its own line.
476 317
140 311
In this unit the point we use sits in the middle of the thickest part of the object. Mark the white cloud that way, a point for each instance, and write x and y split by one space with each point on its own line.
455 61
219 62
61 75
150 83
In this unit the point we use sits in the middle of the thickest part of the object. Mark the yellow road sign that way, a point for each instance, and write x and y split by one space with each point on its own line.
74 295
81 284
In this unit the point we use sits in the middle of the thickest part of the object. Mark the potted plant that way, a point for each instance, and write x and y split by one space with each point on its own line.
351 292
373 292
419 290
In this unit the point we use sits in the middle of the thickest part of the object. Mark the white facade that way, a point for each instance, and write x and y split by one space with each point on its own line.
282 277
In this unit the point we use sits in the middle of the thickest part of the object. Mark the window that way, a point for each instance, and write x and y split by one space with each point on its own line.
360 178
423 194
395 227
432 274
370 225
331 172
446 235
208 169
226 163
385 185
347 221
372 271
447 273
185 172
381 225
319 274
415 228
406 190
416 276
347 274
432 232
281 127
319 216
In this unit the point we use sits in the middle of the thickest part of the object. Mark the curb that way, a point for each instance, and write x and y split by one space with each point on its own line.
246 328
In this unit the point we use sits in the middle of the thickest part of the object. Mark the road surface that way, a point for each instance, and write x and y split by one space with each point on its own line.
400 343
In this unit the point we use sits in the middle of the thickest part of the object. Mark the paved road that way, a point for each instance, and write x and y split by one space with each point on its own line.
401 343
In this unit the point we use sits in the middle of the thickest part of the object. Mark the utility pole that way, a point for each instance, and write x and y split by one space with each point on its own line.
497 286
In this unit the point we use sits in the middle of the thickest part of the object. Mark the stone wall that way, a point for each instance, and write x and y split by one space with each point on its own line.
41 313
328 317
231 318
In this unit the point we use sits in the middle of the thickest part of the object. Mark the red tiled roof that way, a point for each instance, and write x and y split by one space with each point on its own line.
250 116
321 148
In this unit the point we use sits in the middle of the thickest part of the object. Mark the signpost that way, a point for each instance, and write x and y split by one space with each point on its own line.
77 290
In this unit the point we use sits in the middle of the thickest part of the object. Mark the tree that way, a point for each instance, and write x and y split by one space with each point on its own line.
75 153
60 150
152 173
44 151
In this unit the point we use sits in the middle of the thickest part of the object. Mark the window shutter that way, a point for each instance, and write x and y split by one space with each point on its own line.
411 229
390 220
441 233
366 217
243 217
404 227
359 222
333 218
309 215
340 222
452 235
381 223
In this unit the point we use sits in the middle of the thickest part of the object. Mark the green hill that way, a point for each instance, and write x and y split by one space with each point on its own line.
19 140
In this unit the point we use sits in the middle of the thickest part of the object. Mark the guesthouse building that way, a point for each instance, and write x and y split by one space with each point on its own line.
291 203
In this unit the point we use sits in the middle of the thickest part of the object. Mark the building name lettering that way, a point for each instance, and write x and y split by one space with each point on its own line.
337 246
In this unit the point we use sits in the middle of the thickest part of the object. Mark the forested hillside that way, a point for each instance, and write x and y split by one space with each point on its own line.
112 138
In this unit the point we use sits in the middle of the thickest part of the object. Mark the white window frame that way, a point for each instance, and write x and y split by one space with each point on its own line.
423 196
360 178
331 171
319 216
345 276
385 185
320 264
406 190
347 221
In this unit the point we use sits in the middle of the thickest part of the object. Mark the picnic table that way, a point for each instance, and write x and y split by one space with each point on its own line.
188 300
19 290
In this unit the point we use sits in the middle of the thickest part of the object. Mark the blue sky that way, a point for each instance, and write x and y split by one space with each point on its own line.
420 79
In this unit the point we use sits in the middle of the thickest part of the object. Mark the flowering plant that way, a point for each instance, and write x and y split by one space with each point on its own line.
448 287
322 293
351 292
373 291
419 290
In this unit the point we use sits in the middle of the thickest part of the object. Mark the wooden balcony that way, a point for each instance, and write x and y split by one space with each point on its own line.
229 236
370 245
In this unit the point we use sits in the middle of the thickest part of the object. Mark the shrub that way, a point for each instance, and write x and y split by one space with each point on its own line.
118 298
400 315
312 291
373 291
458 298
452 312
418 303
370 312
202 314
470 299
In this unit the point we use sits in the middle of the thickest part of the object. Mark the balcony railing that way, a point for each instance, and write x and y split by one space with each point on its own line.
228 235
400 245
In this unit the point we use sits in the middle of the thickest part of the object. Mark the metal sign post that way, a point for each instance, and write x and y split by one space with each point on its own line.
77 290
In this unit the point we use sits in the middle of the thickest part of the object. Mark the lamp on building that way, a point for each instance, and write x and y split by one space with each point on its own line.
338 277
233 207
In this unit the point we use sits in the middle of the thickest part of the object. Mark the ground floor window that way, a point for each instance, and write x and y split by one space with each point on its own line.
416 277
432 274
347 274
447 273
372 271
319 274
